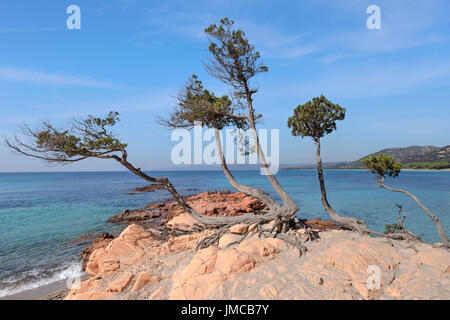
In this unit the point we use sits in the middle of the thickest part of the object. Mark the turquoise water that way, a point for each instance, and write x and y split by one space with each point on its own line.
42 213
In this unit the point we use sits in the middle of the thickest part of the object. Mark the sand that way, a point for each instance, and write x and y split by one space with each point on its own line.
53 291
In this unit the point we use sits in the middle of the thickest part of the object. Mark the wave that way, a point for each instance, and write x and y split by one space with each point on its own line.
39 277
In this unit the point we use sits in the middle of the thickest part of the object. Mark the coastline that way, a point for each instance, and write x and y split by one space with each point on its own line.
143 263
263 268
171 218
359 169
434 170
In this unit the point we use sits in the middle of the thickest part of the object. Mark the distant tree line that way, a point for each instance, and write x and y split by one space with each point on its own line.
439 165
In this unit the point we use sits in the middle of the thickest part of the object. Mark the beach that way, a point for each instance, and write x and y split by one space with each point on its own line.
53 291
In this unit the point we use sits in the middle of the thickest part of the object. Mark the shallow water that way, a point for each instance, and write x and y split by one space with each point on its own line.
42 213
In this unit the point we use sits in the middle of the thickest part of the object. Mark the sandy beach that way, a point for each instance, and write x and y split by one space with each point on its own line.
53 291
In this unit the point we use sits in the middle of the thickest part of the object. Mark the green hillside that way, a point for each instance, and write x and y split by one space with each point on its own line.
414 157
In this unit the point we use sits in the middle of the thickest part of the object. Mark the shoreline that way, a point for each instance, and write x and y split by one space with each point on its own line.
58 290
263 268
52 291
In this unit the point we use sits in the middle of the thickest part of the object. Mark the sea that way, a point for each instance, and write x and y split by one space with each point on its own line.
47 219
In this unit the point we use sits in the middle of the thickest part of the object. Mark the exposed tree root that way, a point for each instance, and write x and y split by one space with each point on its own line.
296 243
213 239
403 233
279 230
439 227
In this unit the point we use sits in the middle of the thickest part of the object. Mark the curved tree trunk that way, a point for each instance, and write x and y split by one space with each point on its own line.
254 192
289 206
247 218
349 222
436 220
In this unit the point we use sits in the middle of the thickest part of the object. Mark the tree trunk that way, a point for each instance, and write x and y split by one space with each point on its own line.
289 206
254 192
349 222
246 218
436 220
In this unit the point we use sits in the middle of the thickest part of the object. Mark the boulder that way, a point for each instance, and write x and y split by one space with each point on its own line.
319 224
221 203
150 188
135 216
210 267
182 222
120 252
142 279
100 242
239 229
228 238
121 282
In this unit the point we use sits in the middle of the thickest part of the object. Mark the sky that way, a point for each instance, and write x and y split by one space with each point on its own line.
134 55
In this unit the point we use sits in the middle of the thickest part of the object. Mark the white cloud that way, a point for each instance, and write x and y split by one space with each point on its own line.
274 43
404 25
190 21
37 77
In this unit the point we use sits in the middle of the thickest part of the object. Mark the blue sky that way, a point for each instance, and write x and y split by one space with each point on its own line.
134 55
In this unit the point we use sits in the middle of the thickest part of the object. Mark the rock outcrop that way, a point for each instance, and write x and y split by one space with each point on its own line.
99 242
221 203
211 203
147 263
149 188
339 265
225 203
319 224
120 252
211 267
129 216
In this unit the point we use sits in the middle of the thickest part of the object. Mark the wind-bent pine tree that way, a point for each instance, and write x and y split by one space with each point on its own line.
383 165
316 119
198 105
91 138
235 62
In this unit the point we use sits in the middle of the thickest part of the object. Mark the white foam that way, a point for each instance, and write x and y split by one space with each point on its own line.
71 270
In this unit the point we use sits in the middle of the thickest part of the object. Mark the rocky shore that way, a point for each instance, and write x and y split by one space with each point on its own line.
155 257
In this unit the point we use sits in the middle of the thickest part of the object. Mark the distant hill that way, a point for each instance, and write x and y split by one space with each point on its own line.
414 157
232 167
